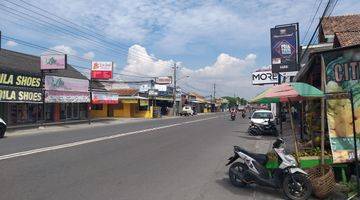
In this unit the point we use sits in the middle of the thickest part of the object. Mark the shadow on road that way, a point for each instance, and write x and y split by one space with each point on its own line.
257 192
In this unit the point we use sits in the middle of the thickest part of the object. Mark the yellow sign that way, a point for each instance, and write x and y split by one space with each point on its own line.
129 101
19 80
144 102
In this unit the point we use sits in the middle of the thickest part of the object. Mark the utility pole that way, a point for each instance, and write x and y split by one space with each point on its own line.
174 90
214 92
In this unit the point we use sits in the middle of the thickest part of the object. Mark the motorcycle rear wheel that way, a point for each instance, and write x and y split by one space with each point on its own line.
297 187
240 169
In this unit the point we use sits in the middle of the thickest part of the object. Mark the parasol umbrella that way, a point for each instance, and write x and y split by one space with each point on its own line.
289 92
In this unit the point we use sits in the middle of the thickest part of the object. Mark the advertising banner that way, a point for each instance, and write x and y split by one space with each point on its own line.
104 98
144 88
284 48
20 80
101 70
53 61
160 88
153 92
129 101
164 80
18 95
144 102
58 83
264 77
66 97
342 69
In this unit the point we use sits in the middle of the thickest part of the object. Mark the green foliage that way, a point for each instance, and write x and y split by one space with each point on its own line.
235 101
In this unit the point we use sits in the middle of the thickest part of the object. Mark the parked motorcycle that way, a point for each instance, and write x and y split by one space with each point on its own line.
263 129
293 181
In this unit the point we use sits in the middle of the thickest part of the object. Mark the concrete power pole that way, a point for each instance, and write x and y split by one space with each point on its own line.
174 90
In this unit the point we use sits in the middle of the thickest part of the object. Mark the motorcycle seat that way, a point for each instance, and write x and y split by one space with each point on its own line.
260 158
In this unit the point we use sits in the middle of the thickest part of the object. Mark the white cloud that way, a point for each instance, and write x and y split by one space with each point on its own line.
89 55
11 43
231 74
64 49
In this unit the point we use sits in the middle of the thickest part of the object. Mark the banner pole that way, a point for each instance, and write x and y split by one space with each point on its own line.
355 143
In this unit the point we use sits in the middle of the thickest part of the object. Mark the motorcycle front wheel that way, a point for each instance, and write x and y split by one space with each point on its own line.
236 170
297 187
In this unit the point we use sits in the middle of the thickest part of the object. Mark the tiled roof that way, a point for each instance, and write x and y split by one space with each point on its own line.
348 38
126 92
343 23
25 63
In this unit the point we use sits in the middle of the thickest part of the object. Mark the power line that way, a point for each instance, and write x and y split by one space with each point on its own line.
55 51
317 27
64 30
312 20
75 24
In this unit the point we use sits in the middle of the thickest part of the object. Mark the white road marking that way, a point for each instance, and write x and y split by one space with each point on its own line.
68 145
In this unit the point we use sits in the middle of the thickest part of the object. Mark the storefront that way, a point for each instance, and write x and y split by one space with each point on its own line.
104 104
66 98
20 98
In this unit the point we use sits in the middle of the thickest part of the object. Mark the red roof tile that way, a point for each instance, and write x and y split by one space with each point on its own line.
343 23
126 92
348 38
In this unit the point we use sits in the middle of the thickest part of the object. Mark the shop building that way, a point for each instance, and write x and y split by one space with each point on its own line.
22 94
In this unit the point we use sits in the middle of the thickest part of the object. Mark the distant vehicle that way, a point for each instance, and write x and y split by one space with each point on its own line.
2 128
262 117
241 108
187 111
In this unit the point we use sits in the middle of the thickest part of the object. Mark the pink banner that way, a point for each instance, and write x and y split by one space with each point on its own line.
56 61
58 83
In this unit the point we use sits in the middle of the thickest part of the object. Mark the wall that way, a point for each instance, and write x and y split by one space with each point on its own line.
100 113
125 112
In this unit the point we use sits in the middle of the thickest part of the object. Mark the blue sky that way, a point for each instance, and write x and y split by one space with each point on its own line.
214 41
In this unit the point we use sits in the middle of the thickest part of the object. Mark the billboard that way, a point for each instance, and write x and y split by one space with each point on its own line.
164 80
26 95
53 61
20 80
101 70
160 88
342 69
264 77
284 48
66 84
104 98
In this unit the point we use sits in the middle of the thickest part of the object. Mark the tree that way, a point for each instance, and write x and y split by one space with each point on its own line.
235 101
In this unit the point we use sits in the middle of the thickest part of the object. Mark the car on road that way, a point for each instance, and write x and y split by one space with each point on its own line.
262 117
187 111
2 128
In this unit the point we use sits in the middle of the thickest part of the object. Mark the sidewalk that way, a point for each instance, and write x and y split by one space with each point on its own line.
78 124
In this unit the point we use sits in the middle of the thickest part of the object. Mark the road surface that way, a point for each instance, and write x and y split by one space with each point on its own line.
179 158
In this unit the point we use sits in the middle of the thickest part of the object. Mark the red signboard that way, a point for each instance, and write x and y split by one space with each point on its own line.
101 74
101 70
104 98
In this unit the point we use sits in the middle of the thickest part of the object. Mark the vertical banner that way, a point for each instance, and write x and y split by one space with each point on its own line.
284 48
342 70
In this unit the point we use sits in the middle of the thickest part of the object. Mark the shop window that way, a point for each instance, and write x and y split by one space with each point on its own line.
75 111
97 107
143 108
83 110
62 111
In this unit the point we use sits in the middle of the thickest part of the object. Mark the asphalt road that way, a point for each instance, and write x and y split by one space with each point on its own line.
180 159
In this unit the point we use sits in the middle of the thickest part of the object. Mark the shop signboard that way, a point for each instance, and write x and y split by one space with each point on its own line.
18 95
342 71
53 96
164 80
153 92
58 83
284 48
101 70
53 61
17 87
160 88
129 101
144 88
104 98
144 102
264 77
20 80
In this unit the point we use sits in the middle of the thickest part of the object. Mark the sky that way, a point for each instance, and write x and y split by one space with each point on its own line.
213 41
